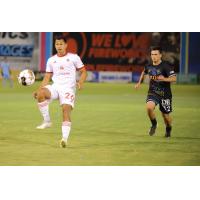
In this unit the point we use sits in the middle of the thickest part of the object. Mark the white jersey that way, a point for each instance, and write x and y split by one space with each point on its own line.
64 68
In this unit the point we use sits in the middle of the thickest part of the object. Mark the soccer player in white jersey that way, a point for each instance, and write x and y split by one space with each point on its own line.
62 69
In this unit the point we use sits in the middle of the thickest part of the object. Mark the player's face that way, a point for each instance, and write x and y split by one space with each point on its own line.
61 47
156 56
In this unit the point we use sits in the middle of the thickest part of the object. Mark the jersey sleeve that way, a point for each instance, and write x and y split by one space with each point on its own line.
78 62
49 67
170 71
145 70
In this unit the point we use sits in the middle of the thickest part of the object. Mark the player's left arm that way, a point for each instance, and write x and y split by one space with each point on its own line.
167 79
170 75
83 77
82 70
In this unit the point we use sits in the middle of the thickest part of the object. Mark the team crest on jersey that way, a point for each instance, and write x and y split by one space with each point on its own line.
61 68
68 60
158 71
154 72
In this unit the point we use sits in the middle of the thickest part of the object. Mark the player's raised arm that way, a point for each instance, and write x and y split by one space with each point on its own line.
46 79
137 85
82 78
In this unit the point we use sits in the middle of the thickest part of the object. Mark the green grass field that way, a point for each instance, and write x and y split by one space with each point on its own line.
109 128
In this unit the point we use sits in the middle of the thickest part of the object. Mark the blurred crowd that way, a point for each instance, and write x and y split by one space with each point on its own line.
170 43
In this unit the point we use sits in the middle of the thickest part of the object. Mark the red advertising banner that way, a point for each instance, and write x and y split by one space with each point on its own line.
110 51
114 51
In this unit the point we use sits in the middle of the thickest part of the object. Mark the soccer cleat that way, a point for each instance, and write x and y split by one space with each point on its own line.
63 143
168 132
152 130
44 125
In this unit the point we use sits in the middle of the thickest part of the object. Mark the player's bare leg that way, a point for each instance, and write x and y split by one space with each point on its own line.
66 124
150 107
168 122
43 96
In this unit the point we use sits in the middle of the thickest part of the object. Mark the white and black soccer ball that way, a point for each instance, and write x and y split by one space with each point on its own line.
26 77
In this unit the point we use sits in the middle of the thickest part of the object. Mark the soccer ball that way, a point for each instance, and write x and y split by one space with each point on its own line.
26 77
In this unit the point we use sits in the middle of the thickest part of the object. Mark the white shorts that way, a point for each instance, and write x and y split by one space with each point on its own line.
65 94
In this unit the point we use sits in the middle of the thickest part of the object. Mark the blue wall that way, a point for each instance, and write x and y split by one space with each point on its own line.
194 53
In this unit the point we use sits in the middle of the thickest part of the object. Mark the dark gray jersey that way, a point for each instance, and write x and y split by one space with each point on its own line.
159 88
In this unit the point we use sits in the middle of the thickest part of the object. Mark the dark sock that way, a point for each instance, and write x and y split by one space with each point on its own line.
168 128
154 122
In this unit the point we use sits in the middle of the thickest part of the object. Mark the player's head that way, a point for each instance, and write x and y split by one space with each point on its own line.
156 54
61 44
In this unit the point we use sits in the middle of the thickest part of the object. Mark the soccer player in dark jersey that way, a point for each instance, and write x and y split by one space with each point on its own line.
161 76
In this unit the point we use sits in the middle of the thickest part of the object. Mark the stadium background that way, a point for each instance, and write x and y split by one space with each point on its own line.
109 56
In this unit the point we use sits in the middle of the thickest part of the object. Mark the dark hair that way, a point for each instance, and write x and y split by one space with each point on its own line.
156 48
60 37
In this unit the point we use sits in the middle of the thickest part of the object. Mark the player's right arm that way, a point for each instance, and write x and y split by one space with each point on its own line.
46 79
137 85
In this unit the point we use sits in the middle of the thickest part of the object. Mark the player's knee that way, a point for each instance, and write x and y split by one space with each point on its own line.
150 108
41 94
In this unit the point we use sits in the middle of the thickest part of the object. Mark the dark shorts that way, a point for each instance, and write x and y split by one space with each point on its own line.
165 105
